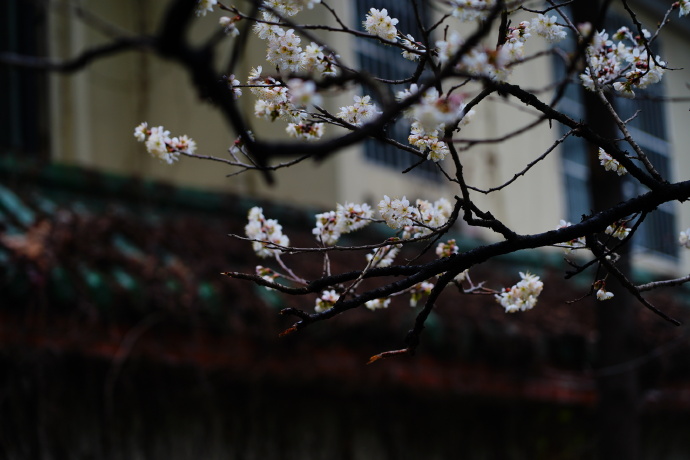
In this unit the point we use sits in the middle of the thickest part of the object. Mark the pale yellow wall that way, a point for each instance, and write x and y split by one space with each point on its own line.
94 112
676 51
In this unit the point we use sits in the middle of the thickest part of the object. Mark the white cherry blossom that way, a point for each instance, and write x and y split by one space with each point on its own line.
326 301
228 25
266 233
522 296
205 6
683 8
547 27
362 111
603 294
377 304
577 243
378 23
684 238
383 256
618 230
471 10
610 164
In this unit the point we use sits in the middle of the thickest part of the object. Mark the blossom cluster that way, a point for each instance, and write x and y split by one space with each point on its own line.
265 234
493 63
233 85
378 23
160 145
684 238
471 10
345 219
610 164
496 63
289 7
409 43
278 97
618 230
229 26
287 102
377 304
462 276
267 274
523 295
447 249
362 111
284 48
418 220
479 61
623 64
548 28
383 256
268 239
683 8
419 290
602 293
511 52
577 243
430 117
205 6
326 300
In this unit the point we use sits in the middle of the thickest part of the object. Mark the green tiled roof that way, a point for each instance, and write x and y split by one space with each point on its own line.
103 248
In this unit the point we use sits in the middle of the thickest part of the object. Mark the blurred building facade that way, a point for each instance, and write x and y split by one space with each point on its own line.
86 119
112 298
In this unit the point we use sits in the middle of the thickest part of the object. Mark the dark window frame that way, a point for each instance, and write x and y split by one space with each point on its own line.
24 120
386 62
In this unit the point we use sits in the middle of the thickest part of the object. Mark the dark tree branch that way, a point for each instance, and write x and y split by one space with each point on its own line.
79 62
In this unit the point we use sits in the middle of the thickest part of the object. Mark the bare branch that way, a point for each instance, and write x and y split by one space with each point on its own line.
660 284
79 62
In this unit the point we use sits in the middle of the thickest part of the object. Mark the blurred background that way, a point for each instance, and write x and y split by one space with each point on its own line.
121 339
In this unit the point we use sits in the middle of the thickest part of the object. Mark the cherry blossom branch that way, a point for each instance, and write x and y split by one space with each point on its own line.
78 62
462 261
609 251
413 336
287 269
647 42
628 137
497 140
598 250
664 283
262 150
584 131
446 66
253 166
529 166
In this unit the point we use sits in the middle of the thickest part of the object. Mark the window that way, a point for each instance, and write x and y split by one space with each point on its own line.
23 91
657 234
386 62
